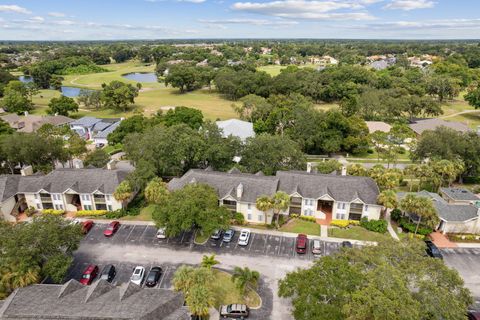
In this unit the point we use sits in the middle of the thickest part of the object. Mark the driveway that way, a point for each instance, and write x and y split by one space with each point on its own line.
132 245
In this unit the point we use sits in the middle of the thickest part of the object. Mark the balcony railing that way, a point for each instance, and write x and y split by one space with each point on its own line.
46 199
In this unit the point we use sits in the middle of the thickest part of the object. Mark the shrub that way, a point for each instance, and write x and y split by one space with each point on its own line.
53 212
294 215
281 220
410 227
308 218
85 213
238 218
370 151
396 214
30 211
116 214
379 226
344 223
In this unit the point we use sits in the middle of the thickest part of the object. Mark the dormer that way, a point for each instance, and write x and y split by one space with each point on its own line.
239 191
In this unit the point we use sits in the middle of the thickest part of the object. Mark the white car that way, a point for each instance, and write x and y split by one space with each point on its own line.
161 233
138 275
244 237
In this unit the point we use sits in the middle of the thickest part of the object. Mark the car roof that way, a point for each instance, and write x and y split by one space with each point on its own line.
90 268
240 307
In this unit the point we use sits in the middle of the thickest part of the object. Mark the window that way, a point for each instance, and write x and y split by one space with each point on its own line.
341 216
249 206
39 206
339 205
306 202
260 217
36 196
87 207
56 196
109 208
365 208
86 197
249 216
107 197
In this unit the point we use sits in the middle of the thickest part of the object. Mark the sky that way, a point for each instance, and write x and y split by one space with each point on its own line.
192 19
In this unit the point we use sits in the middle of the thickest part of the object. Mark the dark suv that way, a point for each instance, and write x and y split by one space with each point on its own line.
108 272
432 250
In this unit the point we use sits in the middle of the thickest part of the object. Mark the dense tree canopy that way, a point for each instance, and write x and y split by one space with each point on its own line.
389 281
118 95
62 106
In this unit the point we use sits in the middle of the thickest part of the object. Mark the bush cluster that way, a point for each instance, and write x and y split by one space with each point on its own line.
53 212
459 237
238 219
85 213
410 227
344 223
117 214
396 214
379 226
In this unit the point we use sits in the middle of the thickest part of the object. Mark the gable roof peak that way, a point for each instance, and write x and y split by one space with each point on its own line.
69 287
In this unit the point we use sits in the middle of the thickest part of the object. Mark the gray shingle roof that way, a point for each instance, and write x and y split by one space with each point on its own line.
107 131
309 185
236 128
99 301
226 183
460 194
79 180
447 212
421 125
11 183
85 121
340 188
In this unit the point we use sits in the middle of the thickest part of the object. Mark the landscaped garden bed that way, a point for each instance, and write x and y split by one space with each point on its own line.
462 237
226 292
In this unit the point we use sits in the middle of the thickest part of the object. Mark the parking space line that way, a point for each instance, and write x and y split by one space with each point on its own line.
126 239
183 236
280 246
143 233
251 242
164 275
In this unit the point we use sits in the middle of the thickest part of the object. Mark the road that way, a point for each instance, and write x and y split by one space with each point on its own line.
132 245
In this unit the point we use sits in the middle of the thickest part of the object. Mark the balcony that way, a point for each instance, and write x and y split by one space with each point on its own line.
46 199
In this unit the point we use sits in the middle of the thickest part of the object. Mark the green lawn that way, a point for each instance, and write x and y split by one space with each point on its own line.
374 156
472 119
145 215
274 70
226 292
301 226
201 237
357 233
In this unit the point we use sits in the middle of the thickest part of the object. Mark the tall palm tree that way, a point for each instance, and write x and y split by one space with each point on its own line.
265 204
244 277
388 198
281 202
182 279
209 261
422 207
199 300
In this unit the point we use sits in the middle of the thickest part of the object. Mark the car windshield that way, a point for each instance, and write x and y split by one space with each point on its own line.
151 276
229 308
86 276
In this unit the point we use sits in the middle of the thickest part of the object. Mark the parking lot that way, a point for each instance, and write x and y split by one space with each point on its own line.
259 244
467 263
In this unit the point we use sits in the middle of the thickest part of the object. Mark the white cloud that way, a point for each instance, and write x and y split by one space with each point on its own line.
57 14
14 8
408 5
302 9
192 1
429 24
256 22
63 22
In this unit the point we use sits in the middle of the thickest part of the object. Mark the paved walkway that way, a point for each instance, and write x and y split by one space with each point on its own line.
441 241
323 231
389 226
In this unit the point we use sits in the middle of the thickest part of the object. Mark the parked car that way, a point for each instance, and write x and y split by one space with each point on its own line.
244 237
473 315
347 244
239 311
432 250
87 226
99 145
301 243
217 234
228 235
89 274
161 234
153 276
111 229
138 275
317 247
108 272
74 221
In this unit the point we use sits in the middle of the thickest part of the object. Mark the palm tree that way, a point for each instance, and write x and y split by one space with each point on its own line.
244 277
422 207
199 300
123 191
388 198
264 203
209 261
281 202
182 279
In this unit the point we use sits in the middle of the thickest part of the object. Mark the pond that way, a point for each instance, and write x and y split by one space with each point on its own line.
141 76
72 92
25 79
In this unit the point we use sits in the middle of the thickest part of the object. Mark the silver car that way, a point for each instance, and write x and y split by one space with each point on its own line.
317 247
138 275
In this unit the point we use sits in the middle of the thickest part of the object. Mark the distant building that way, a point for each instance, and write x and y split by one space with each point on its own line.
102 300
378 126
31 123
421 125
89 127
459 196
236 128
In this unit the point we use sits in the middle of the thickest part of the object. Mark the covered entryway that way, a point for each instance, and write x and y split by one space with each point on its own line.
325 206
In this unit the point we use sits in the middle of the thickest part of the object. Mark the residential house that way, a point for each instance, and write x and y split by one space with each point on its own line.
101 137
454 218
459 196
324 61
61 189
31 123
89 127
378 126
421 125
102 300
236 128
322 196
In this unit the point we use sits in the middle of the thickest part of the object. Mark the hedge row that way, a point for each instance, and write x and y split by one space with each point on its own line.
410 227
459 237
84 213
379 226
344 223
53 212
305 218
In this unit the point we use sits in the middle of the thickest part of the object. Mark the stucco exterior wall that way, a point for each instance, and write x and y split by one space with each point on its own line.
6 208
472 226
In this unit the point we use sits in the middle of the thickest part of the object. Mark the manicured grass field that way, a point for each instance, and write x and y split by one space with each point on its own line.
201 237
145 215
226 292
356 233
301 226
274 70
472 119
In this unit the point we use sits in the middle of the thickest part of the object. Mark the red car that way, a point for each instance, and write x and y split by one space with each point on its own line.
301 245
86 226
111 229
89 274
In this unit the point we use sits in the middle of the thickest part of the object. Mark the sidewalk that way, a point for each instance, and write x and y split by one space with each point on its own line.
389 226
441 241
